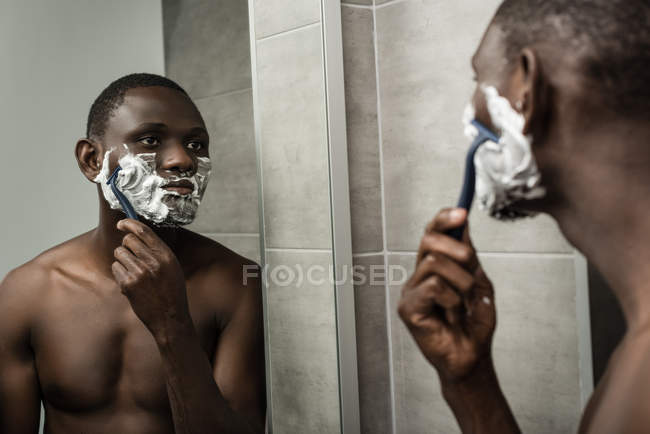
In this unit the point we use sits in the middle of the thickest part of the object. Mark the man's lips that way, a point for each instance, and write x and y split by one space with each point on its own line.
180 187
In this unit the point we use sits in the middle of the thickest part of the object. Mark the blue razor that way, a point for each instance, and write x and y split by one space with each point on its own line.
126 205
469 182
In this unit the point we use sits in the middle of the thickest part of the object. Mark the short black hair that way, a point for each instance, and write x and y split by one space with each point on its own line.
113 96
612 37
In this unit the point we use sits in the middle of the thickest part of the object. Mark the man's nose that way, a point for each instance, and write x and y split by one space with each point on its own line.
177 159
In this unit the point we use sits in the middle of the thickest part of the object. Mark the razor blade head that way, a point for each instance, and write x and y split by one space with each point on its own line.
111 179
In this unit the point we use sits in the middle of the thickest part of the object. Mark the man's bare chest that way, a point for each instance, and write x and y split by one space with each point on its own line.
92 352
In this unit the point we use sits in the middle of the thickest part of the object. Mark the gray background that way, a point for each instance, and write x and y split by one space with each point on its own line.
55 58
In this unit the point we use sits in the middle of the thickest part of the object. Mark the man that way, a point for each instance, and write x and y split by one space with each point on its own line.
135 326
567 82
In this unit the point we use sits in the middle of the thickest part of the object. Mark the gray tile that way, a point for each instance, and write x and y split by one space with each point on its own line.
357 2
425 81
207 48
294 140
372 349
365 2
535 349
245 245
304 373
362 129
230 201
538 234
277 16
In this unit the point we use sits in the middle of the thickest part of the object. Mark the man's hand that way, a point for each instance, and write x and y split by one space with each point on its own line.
448 303
151 278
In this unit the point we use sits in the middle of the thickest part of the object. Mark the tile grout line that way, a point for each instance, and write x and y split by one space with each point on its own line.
390 3
285 32
373 6
549 255
389 329
367 254
296 250
355 6
231 234
226 93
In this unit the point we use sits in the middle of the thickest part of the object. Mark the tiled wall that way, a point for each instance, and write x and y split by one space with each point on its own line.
291 117
408 77
207 51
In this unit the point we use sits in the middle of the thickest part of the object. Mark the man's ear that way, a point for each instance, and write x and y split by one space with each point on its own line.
89 158
532 95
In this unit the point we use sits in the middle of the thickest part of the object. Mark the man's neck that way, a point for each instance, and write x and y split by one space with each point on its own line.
606 215
106 237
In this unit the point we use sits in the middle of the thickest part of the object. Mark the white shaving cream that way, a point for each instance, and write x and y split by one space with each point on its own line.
506 171
144 188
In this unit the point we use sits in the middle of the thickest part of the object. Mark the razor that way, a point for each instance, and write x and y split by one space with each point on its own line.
469 181
124 202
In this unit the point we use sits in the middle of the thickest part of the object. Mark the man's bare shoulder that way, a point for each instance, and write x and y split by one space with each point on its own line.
28 283
620 402
227 277
20 293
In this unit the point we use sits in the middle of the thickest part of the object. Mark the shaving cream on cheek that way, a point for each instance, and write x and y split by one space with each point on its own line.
506 171
183 208
469 114
144 188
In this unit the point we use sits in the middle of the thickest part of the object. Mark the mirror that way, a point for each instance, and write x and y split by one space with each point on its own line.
155 330
309 305
335 135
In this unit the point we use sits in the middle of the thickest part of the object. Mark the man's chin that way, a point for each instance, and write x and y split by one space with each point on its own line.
171 221
520 209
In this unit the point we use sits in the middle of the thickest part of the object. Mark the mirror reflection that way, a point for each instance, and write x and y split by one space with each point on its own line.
356 216
140 321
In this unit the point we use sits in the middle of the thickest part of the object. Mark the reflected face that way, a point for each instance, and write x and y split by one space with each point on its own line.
159 139
507 175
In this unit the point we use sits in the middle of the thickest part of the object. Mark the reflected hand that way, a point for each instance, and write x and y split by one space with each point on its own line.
151 277
448 303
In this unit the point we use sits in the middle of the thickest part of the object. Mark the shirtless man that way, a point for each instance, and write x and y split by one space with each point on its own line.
135 327
576 73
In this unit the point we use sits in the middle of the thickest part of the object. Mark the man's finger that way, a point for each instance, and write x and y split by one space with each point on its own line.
417 312
128 260
473 263
120 273
441 265
438 291
139 249
446 219
436 242
141 231
418 306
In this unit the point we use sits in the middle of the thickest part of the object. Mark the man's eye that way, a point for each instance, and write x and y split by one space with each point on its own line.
149 141
195 146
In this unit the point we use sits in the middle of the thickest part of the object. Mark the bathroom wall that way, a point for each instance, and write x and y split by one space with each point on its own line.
408 77
55 58
207 51
293 151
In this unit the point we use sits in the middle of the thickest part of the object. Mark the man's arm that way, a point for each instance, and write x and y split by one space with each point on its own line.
237 402
448 306
19 391
151 278
238 362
